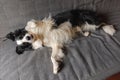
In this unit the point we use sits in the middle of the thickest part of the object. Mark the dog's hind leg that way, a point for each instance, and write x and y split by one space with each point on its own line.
57 58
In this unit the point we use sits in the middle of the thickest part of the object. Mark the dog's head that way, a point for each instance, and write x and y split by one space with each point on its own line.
23 39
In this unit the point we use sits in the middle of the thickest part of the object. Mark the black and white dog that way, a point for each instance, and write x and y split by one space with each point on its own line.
56 31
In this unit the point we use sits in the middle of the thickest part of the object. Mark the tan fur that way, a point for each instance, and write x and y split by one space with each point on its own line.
36 36
39 23
44 34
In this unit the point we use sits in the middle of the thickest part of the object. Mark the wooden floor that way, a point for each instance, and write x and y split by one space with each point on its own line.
114 77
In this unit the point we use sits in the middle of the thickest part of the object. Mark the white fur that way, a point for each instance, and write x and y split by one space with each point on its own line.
31 23
57 55
86 33
59 35
109 29
56 39
89 27
37 44
19 42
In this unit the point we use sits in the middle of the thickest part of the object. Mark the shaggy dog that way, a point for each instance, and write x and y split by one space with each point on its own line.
58 30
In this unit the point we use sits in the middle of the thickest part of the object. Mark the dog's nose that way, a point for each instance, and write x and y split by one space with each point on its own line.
19 50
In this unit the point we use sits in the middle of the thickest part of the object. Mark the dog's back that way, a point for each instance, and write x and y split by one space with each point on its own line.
78 17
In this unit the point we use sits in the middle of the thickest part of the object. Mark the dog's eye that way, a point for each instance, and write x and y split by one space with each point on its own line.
20 37
28 37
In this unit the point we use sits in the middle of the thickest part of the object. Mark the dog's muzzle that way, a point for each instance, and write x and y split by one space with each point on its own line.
23 47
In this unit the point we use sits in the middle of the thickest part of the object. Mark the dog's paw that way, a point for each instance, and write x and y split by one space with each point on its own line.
109 29
86 34
30 25
57 67
57 64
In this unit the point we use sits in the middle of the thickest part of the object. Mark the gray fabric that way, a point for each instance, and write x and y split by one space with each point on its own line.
15 13
88 58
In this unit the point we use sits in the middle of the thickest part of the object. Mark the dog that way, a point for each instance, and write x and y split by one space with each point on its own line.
58 30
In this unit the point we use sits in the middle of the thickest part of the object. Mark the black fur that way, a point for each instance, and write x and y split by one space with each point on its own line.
18 35
11 36
78 17
24 47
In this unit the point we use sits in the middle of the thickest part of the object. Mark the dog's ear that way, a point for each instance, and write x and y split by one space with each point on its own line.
18 32
11 36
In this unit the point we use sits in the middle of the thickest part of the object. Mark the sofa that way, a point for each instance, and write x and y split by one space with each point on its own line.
88 58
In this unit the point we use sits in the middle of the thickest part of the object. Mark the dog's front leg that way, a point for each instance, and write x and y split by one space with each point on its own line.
57 58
